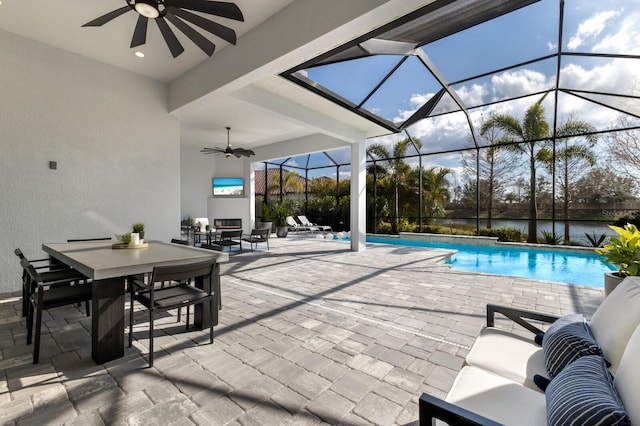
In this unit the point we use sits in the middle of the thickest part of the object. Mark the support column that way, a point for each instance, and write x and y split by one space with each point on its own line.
250 187
358 196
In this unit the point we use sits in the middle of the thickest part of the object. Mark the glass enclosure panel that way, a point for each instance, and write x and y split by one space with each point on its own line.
446 104
622 106
532 32
354 79
604 26
604 75
408 88
596 113
509 84
443 133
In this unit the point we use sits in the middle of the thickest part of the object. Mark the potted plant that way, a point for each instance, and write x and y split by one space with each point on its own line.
139 229
278 213
125 240
623 252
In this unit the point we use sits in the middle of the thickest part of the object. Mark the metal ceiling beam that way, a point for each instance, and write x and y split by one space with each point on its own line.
433 69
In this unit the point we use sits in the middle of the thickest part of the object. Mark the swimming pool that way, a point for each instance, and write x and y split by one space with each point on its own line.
538 264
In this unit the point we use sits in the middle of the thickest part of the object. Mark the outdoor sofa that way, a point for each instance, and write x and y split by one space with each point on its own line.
497 385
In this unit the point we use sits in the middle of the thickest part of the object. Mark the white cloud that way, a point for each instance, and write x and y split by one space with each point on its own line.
626 40
517 83
552 46
590 28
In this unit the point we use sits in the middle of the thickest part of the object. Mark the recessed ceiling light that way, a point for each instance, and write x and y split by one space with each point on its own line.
139 54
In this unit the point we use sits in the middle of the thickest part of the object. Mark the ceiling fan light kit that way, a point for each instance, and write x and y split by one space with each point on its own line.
228 151
177 12
147 8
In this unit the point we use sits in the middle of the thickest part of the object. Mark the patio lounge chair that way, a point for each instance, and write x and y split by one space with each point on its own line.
296 227
306 222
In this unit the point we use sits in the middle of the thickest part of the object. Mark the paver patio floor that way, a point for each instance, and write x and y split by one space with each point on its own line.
310 333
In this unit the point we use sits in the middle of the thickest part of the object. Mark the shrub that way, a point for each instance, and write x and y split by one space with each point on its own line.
624 251
551 238
508 233
634 219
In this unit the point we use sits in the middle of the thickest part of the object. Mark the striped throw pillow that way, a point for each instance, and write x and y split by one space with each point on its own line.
583 394
566 340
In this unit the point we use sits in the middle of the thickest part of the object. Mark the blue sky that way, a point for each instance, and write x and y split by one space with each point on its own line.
603 26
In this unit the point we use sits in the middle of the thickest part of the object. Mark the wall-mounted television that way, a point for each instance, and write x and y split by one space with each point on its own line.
228 187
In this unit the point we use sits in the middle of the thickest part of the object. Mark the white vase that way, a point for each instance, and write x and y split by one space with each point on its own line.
135 239
611 281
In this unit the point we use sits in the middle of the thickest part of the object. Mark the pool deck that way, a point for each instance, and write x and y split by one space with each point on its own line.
310 333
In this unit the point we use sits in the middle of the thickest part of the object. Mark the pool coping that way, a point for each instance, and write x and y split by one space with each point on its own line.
479 241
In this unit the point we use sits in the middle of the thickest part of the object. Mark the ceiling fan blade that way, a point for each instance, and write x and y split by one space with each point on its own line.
214 28
107 17
140 33
174 45
245 152
218 8
201 41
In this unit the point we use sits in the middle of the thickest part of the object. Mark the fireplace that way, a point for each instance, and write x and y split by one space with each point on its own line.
227 223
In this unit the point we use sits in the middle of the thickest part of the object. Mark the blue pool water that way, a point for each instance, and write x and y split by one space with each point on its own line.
550 265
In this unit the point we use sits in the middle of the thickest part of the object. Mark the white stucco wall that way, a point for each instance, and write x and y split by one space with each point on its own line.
117 151
196 172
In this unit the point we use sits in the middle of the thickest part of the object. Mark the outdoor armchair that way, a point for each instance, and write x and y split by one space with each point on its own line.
257 236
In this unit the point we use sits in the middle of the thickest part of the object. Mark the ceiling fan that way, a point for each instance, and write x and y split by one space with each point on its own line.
228 151
175 11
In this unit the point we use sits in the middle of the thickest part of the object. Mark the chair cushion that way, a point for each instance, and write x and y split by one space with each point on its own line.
616 319
583 394
511 356
566 340
497 398
627 380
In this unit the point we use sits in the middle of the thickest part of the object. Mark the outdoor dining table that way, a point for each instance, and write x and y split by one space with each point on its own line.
108 267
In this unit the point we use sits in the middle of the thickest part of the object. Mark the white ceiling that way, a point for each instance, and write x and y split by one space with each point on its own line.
262 109
59 23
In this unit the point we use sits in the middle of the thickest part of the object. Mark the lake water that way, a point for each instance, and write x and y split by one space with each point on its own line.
577 230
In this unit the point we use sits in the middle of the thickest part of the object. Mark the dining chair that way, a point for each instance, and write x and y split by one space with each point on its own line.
50 293
181 242
50 270
176 286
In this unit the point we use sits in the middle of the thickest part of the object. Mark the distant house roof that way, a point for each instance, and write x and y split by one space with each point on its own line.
273 180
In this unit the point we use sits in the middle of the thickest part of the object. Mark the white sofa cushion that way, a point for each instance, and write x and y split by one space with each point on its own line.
627 379
497 398
508 355
616 319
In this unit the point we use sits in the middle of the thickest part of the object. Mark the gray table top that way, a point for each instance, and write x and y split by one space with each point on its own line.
97 260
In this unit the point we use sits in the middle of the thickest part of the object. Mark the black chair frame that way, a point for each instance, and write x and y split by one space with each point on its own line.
260 235
170 287
51 294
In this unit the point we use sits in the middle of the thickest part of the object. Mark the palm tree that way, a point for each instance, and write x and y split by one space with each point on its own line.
396 167
571 158
436 188
534 133
290 183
